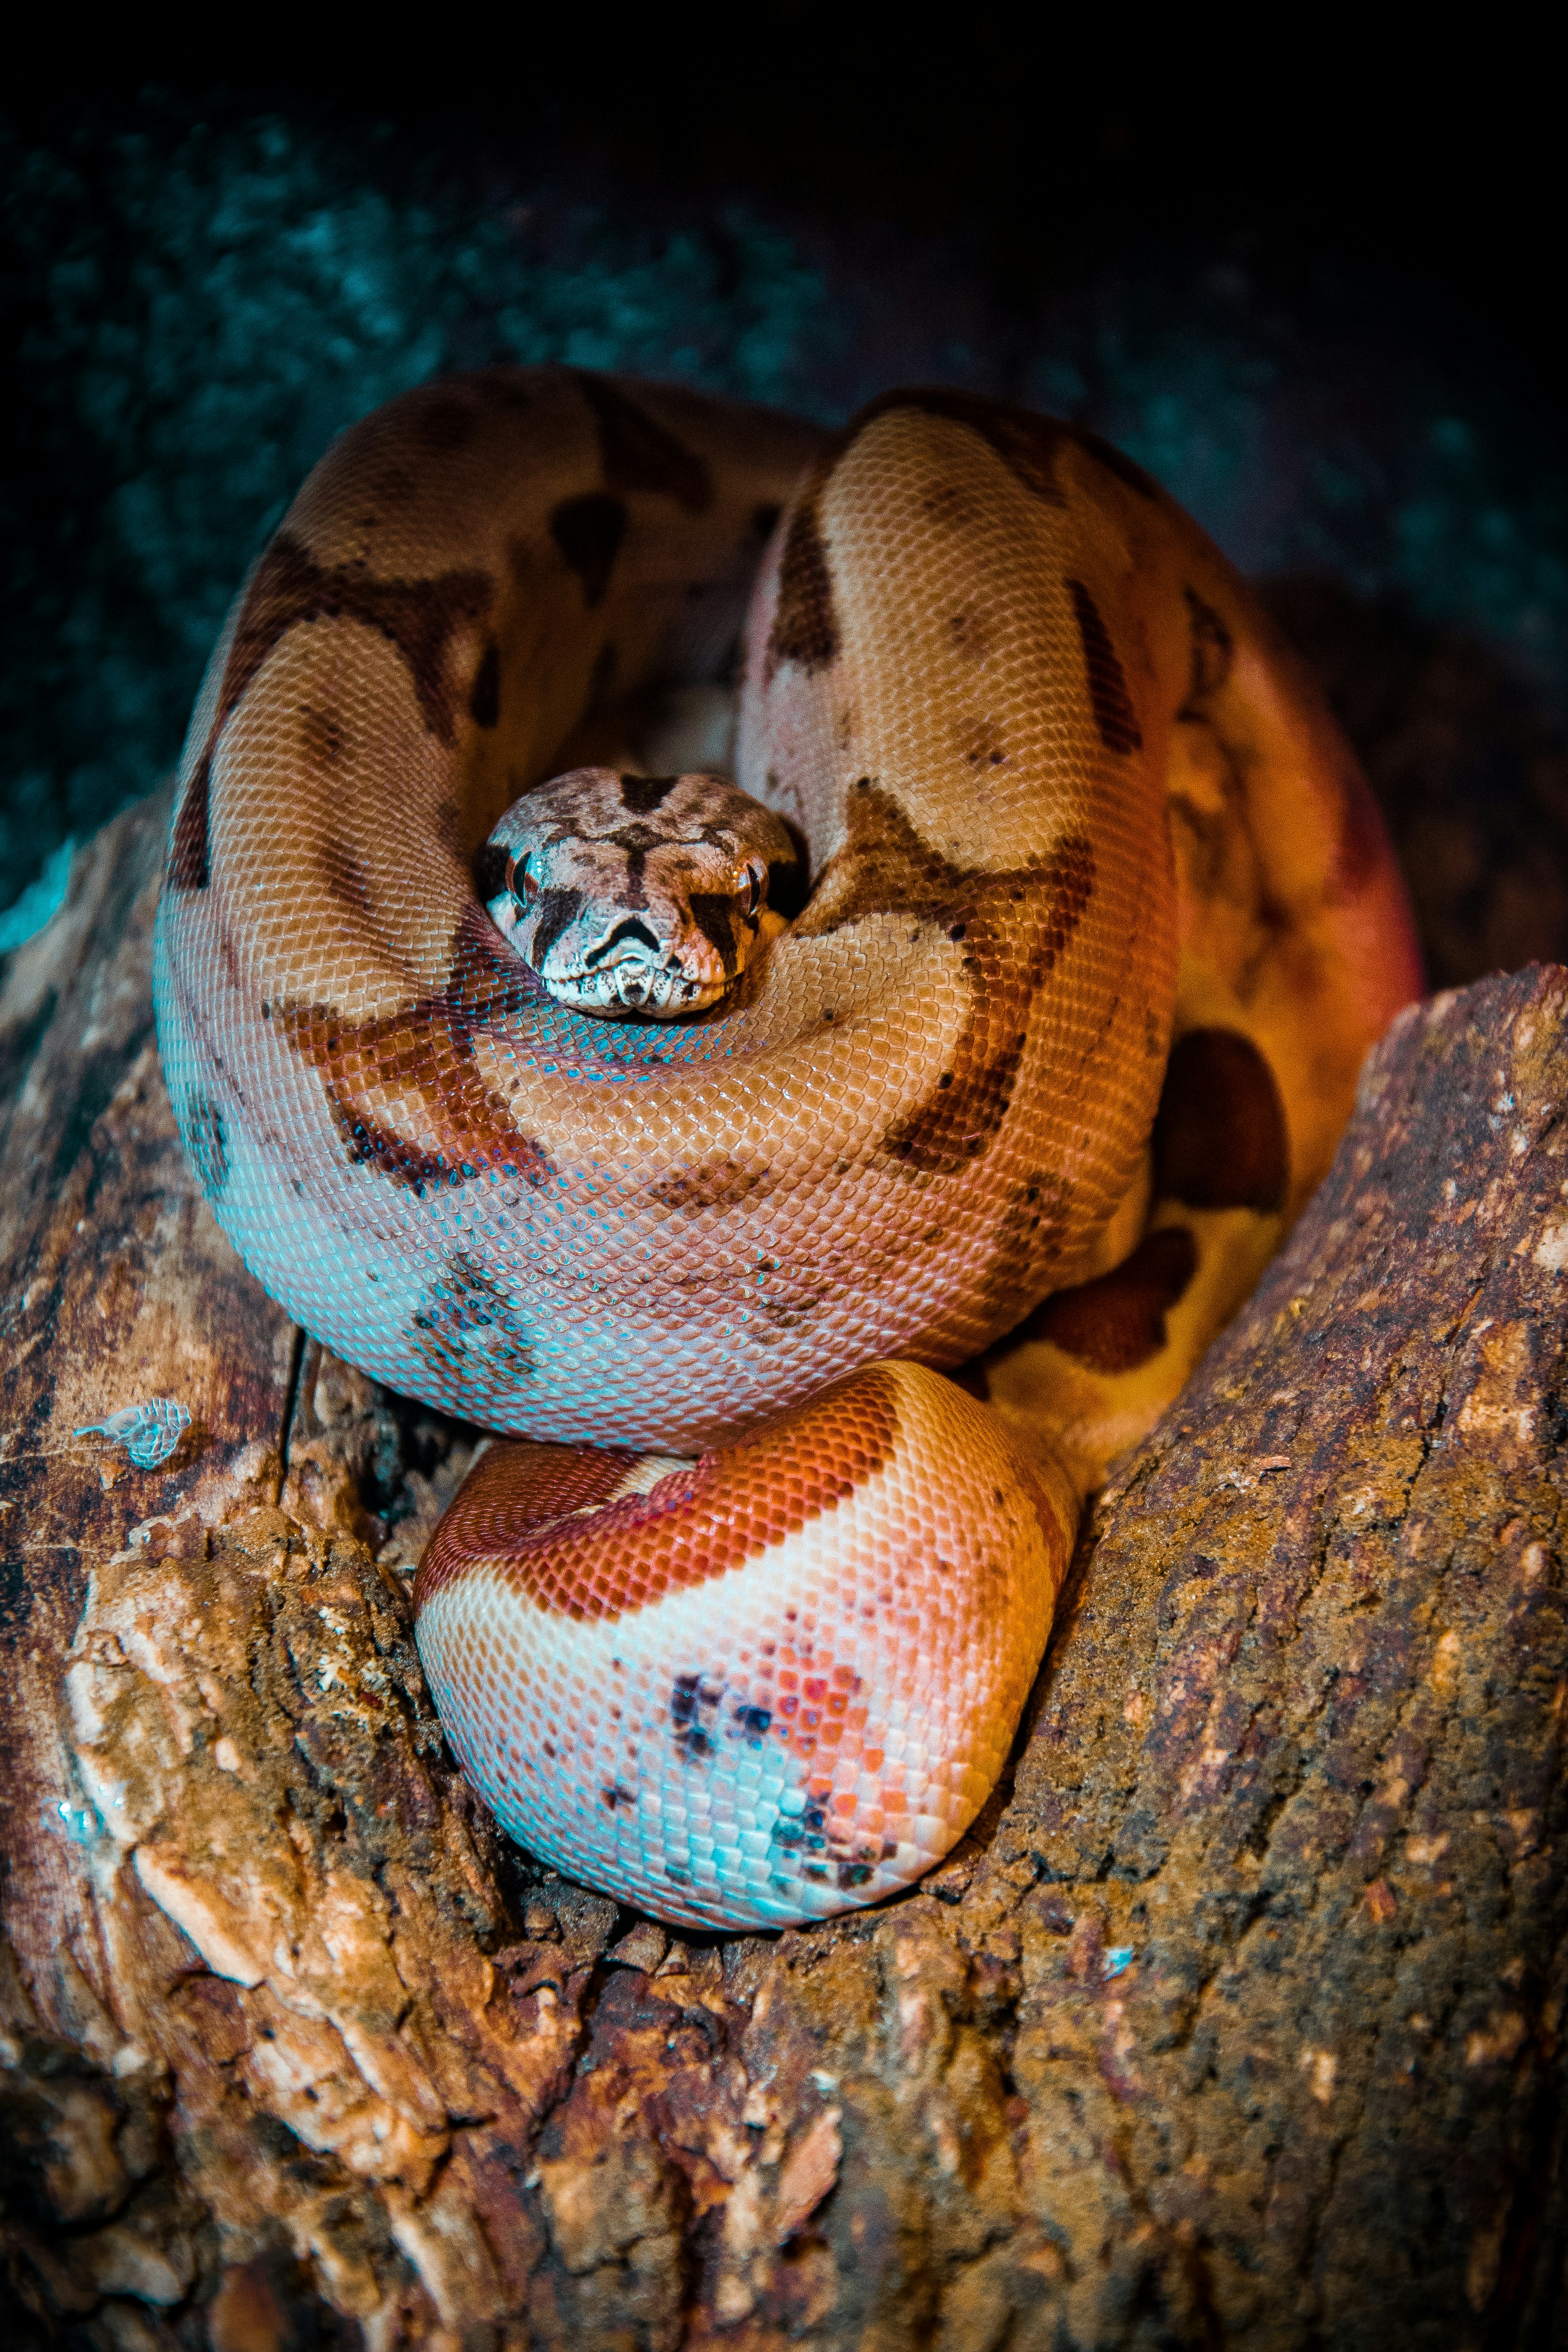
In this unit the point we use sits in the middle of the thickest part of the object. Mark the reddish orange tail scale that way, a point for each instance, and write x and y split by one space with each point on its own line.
754 1688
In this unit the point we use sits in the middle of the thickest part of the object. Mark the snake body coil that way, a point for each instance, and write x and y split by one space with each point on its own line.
1034 1007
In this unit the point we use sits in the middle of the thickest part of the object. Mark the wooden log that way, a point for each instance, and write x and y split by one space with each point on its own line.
1237 2019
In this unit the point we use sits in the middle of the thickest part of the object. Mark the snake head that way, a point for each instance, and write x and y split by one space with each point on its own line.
643 895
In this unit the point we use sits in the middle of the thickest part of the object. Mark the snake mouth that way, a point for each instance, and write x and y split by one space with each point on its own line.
636 986
631 970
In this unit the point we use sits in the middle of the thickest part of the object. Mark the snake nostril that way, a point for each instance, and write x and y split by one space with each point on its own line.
628 933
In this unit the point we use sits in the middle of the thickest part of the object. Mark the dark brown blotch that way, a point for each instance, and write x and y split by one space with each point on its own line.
325 740
424 1051
718 919
490 869
958 1122
445 421
805 626
1117 1323
469 1331
982 744
1220 1137
368 1142
789 878
642 794
188 862
394 485
1213 652
1113 712
634 842
589 530
884 866
638 454
207 1144
721 1184
556 911
971 635
417 616
1116 461
346 878
1014 927
484 695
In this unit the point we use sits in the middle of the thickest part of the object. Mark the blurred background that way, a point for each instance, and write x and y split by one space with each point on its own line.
1316 297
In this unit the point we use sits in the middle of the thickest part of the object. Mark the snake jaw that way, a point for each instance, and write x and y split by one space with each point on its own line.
657 989
632 978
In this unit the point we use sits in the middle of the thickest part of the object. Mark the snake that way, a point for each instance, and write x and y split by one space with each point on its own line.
795 977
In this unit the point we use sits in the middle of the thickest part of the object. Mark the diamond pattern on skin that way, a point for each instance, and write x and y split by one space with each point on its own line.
924 1105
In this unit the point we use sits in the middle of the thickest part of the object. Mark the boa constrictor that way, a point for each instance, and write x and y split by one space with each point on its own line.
549 1078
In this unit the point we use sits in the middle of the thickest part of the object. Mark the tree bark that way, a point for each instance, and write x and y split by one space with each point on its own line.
1235 2021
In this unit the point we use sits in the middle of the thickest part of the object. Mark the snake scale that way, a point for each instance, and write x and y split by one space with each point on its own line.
680 931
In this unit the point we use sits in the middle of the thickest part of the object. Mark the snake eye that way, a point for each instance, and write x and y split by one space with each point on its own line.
523 880
753 887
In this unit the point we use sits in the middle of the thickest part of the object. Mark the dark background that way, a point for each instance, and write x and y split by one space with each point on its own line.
1314 290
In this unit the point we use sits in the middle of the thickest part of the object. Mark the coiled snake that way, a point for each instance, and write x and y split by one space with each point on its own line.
548 1077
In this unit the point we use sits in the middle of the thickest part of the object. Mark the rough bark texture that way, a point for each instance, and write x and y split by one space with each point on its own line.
1236 2023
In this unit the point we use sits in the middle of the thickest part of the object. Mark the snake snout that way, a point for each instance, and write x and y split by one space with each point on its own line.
629 941
658 976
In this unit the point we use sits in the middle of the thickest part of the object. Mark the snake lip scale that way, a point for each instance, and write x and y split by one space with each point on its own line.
680 931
